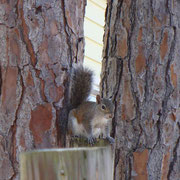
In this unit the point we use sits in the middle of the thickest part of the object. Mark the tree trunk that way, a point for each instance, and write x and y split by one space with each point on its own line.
39 42
141 55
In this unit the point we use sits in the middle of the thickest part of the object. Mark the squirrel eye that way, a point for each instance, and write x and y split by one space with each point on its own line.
103 107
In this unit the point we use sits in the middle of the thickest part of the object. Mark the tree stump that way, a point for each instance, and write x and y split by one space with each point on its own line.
67 164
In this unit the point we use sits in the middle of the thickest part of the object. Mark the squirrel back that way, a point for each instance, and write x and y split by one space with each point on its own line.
80 86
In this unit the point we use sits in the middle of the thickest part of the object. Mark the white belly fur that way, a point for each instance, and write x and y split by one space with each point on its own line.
98 126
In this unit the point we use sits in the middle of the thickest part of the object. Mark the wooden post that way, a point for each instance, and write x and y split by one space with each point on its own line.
67 164
82 142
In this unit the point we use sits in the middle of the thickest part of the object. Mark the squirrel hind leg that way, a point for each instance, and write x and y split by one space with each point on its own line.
74 127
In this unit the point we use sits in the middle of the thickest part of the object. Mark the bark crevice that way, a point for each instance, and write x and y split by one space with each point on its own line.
174 153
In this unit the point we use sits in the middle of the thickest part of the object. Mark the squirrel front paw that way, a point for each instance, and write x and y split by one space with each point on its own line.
110 139
91 140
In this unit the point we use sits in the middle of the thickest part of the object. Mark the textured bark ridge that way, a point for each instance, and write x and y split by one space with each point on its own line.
39 42
141 54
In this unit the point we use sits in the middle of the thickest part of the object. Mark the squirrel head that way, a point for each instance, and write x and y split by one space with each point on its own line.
106 106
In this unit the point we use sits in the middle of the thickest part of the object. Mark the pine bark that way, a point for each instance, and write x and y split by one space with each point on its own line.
39 42
140 71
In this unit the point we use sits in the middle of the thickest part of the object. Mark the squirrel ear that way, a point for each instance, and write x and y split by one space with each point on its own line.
98 99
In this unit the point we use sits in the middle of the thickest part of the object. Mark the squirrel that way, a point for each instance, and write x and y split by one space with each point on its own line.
86 118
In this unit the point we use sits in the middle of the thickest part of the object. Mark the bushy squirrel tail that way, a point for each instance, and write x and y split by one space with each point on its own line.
80 86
